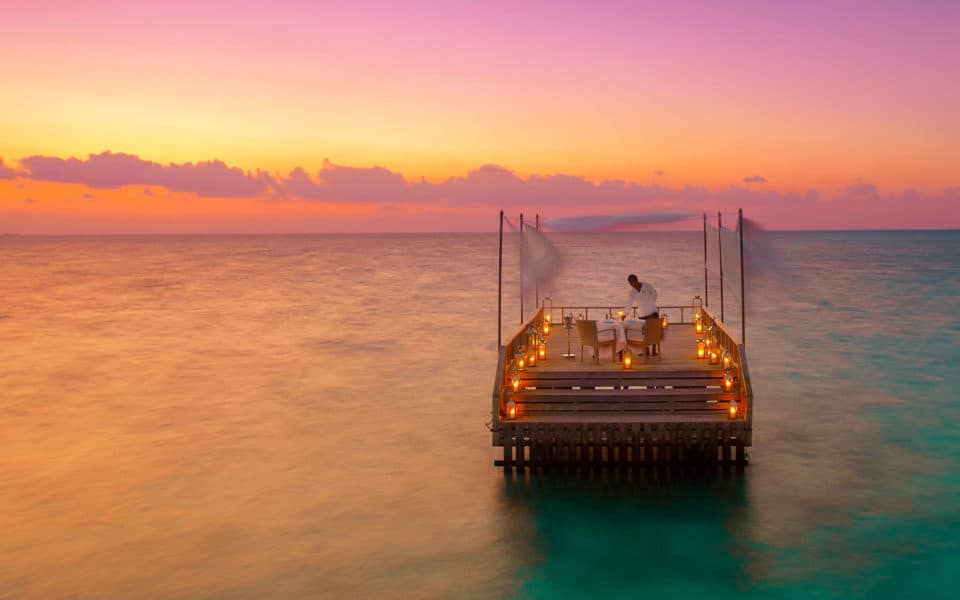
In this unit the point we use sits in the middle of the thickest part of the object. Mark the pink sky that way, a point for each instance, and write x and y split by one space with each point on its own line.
356 116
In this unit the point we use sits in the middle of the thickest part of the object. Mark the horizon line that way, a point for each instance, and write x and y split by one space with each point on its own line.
446 232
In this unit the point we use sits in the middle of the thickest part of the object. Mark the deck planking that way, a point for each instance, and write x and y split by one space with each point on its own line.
666 406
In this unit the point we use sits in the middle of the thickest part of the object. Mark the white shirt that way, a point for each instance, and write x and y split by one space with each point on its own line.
645 299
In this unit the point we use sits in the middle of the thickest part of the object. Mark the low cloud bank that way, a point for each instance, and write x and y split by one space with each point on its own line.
493 186
110 170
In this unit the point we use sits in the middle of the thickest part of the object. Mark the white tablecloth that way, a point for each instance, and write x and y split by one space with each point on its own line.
618 328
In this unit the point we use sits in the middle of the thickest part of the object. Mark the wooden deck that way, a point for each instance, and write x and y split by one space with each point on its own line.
663 409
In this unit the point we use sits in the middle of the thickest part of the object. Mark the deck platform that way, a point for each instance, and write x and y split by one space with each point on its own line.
668 408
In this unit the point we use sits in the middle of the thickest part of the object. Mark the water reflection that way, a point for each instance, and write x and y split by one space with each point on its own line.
622 533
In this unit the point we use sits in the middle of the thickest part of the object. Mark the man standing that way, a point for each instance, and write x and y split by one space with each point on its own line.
642 295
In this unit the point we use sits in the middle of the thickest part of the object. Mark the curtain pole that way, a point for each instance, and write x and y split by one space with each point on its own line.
536 294
720 256
706 287
500 287
743 288
521 268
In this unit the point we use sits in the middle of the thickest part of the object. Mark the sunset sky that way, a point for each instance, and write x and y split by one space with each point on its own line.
136 117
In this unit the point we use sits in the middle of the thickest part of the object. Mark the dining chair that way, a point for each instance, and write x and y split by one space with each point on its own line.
587 332
633 335
653 334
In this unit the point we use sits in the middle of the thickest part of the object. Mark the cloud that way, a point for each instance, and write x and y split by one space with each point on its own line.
336 183
113 170
6 172
489 185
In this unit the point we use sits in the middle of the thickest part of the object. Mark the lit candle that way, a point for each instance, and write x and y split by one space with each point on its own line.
515 380
701 348
542 351
663 322
714 357
726 359
511 409
698 325
627 360
532 359
733 409
728 381
520 363
546 327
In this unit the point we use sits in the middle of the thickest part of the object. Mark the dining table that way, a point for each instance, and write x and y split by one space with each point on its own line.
620 330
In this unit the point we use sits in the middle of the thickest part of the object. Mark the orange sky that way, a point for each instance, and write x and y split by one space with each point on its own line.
810 97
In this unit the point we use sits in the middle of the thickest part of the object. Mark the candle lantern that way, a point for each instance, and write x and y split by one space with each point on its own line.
727 359
532 358
698 324
714 357
733 409
521 363
548 309
663 321
542 351
511 409
701 348
620 314
728 381
532 336
627 359
546 327
515 382
697 305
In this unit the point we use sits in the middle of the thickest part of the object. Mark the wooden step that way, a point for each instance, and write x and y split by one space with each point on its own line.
628 395
623 400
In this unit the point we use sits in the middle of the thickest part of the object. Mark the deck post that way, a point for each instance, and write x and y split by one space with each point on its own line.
720 257
616 454
520 449
536 292
706 287
508 448
500 287
521 268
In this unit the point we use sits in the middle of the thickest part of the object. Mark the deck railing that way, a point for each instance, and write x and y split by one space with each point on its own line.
583 312
725 341
507 360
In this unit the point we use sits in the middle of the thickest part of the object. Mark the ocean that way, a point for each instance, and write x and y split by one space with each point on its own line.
304 417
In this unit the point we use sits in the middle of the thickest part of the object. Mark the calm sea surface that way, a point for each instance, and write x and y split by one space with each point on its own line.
303 417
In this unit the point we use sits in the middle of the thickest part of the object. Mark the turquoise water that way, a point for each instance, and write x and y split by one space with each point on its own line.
303 416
